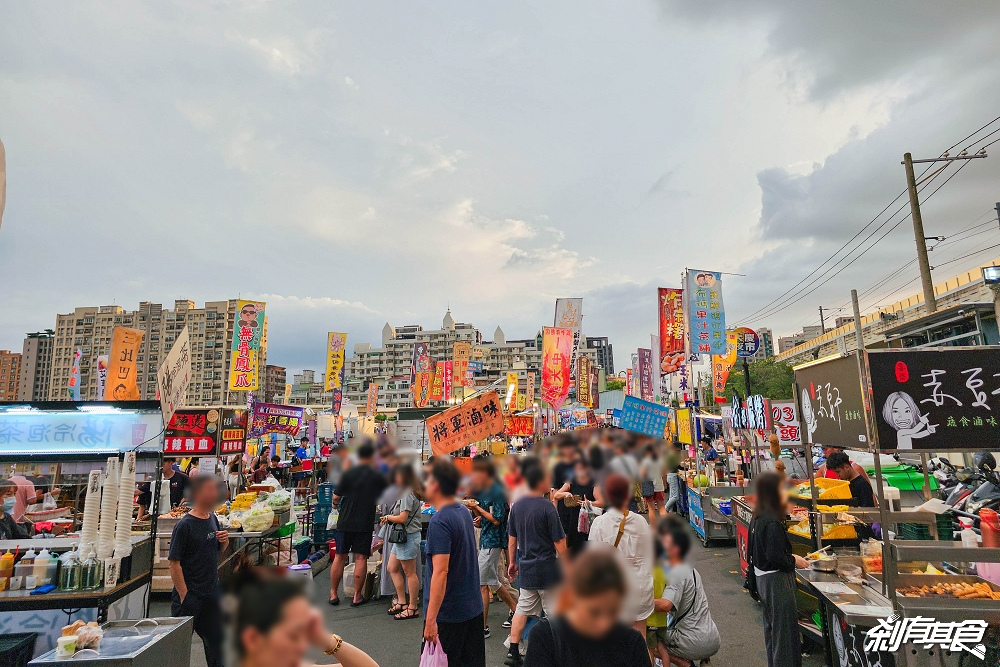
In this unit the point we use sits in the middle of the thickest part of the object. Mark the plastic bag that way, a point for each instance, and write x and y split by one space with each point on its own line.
433 655
331 521
48 502
258 518
583 523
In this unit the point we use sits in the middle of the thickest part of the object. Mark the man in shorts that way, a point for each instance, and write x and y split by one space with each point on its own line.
490 515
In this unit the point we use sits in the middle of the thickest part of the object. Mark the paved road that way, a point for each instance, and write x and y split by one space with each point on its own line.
397 643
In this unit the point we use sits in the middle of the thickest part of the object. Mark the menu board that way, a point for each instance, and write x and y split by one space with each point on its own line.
192 432
831 403
937 399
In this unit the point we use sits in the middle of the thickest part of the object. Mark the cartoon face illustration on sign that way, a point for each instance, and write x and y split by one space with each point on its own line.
704 279
808 415
248 315
900 411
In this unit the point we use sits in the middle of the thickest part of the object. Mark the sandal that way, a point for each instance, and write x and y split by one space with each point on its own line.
396 608
407 613
334 601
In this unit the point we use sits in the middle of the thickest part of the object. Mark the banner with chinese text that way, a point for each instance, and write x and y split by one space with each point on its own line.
520 425
832 404
122 381
336 348
102 375
437 382
583 395
192 432
234 431
557 353
174 375
645 365
372 405
271 418
722 364
671 318
446 386
529 392
706 312
244 356
461 354
684 434
421 373
475 420
74 376
644 417
512 387
785 418
569 315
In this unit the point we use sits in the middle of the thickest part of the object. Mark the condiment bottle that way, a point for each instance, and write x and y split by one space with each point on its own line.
969 539
69 572
7 565
989 528
42 561
28 558
91 572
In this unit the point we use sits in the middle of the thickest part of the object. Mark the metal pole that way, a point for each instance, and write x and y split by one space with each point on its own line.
857 319
930 302
746 377
822 322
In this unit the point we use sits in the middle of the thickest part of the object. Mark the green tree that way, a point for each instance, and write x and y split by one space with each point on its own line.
770 378
611 385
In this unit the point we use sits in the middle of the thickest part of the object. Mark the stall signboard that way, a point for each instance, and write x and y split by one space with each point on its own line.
644 417
234 431
583 381
569 315
530 391
437 382
472 421
174 375
671 325
192 432
371 407
557 352
722 364
785 419
595 396
753 413
684 434
520 425
936 399
696 513
336 349
244 354
706 312
832 407
461 353
122 383
271 418
26 431
747 342
421 373
645 367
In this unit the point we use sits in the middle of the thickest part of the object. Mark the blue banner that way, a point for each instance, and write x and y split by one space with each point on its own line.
706 314
644 417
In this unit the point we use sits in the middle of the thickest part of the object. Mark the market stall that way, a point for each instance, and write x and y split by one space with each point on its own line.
86 457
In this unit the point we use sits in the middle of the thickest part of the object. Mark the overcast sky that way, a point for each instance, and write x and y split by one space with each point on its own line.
357 163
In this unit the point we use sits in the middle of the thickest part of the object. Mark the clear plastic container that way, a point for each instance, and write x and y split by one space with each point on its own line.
69 572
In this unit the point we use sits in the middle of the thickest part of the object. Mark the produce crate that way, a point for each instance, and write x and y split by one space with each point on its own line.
920 531
324 493
320 516
16 649
286 530
303 548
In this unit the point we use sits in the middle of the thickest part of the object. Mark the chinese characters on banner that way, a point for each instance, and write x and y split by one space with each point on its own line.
583 381
421 373
122 381
557 352
671 319
684 434
706 313
644 417
569 315
244 357
512 388
336 348
753 413
446 387
936 399
461 354
437 381
234 431
74 377
476 419
833 408
174 375
372 405
628 381
192 433
721 365
595 396
102 375
529 393
747 342
645 367
520 425
785 418
270 418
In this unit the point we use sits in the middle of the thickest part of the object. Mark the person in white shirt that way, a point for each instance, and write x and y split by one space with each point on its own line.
629 533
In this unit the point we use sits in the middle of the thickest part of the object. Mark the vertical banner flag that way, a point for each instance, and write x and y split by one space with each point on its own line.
461 354
671 319
74 377
102 375
511 401
557 351
288 394
654 348
174 375
336 348
645 361
122 382
372 406
437 384
421 373
628 381
721 365
244 357
569 315
583 395
449 368
595 396
706 312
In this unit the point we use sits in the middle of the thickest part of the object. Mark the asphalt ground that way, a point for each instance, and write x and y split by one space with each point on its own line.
395 643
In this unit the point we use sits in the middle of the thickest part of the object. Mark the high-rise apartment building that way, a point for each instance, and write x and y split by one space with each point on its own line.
10 366
766 348
605 353
210 329
274 383
36 366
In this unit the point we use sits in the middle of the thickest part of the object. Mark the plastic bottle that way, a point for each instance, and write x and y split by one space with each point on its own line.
91 572
7 565
969 538
69 572
42 561
28 558
989 528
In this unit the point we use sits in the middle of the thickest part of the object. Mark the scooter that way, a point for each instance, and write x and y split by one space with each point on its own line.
988 492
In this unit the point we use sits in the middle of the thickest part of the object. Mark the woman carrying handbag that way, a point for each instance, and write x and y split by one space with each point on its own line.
403 540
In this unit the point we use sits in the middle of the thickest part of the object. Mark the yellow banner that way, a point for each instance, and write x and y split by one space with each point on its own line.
244 358
530 391
336 347
684 426
512 394
437 382
122 383
721 365
461 354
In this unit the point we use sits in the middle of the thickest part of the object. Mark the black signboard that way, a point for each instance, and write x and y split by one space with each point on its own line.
938 399
233 437
192 432
831 404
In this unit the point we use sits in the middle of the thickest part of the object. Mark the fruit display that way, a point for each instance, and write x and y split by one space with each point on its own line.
830 532
958 590
699 481
243 501
827 489
832 509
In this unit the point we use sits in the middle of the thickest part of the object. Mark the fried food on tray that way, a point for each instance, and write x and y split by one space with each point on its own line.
960 590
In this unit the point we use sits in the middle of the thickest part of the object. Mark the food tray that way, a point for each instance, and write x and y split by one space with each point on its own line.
946 608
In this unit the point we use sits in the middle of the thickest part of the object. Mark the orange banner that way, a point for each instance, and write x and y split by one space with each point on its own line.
523 425
372 406
476 419
721 365
122 383
461 354
557 355
437 383
422 389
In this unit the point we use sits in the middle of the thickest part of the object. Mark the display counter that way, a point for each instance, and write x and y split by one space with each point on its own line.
704 514
151 642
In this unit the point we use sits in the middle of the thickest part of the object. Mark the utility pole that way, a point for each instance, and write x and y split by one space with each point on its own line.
930 301
822 322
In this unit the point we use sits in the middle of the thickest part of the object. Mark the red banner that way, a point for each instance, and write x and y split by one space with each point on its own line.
523 425
671 318
557 356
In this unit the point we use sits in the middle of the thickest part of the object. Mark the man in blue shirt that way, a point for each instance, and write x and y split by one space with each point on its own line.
708 452
452 602
491 517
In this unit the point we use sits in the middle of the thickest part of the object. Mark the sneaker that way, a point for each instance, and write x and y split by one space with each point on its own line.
486 632
513 660
510 619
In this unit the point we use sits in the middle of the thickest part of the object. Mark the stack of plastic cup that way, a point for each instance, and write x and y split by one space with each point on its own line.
109 511
91 512
126 503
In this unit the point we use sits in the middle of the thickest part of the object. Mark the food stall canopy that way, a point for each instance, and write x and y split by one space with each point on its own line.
54 430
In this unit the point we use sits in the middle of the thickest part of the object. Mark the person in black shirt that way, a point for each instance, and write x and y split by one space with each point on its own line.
774 566
10 529
178 482
581 486
357 497
861 488
194 566
589 632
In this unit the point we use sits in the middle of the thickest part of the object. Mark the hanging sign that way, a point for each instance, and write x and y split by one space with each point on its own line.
722 364
644 362
74 376
753 413
747 342
174 375
336 347
706 313
475 420
122 373
785 418
583 372
271 418
557 352
511 400
372 405
244 355
437 382
671 319
831 403
644 417
192 432
569 315
234 431
461 353
421 373
102 375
